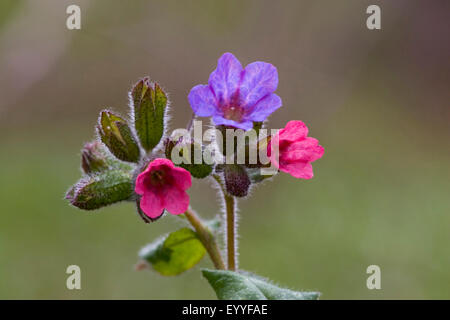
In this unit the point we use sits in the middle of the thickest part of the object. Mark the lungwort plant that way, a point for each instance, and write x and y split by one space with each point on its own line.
135 159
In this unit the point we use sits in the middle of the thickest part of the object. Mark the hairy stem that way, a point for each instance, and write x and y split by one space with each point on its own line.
207 238
231 228
230 210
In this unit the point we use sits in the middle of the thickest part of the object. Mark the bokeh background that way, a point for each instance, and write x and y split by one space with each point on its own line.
378 101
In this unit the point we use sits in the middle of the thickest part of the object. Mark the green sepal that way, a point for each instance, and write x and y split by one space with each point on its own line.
96 191
230 285
174 253
149 105
256 176
115 133
187 152
95 159
258 126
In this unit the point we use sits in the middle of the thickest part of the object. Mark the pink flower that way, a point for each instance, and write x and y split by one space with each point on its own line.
296 150
163 186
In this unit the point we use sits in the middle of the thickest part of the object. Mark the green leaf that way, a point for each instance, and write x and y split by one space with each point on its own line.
230 285
175 253
149 109
96 191
115 133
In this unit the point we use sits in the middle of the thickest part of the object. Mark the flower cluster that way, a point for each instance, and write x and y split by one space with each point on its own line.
136 160
235 97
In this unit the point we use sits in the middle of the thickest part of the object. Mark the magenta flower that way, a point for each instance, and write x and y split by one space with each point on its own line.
163 186
235 96
296 150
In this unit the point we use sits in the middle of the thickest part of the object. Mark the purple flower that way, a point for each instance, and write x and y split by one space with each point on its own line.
235 96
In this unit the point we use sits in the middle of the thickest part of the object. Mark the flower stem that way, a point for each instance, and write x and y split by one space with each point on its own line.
231 228
230 207
207 238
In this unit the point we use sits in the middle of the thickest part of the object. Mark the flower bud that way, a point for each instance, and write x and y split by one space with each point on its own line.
117 136
93 159
186 151
96 191
237 181
149 104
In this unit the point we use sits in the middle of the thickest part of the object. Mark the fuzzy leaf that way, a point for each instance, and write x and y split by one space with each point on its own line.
149 108
96 191
115 133
230 285
175 253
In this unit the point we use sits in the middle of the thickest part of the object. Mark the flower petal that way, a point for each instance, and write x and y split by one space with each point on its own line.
182 178
139 188
224 81
156 164
152 204
176 201
307 150
264 107
300 170
293 131
245 125
202 101
159 162
259 79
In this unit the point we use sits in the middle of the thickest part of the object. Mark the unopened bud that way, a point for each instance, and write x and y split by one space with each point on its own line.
149 105
183 154
96 191
117 136
237 181
93 159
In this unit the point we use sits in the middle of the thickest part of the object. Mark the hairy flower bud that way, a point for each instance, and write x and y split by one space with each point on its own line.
237 181
149 104
96 191
93 158
117 136
185 151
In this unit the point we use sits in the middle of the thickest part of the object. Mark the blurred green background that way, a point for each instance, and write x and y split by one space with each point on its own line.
378 101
